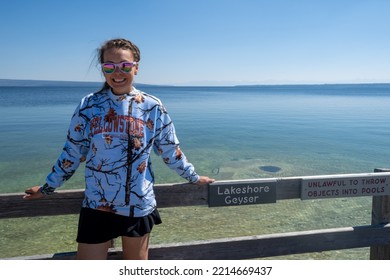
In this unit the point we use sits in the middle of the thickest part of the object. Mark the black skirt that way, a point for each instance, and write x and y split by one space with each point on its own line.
96 226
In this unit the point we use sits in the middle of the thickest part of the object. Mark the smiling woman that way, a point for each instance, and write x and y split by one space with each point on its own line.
114 131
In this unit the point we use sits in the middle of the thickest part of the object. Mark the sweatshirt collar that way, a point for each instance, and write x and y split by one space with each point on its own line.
125 96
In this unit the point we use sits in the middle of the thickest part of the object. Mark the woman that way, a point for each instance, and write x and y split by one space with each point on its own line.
114 131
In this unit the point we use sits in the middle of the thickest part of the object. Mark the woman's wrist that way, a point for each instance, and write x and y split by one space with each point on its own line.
46 189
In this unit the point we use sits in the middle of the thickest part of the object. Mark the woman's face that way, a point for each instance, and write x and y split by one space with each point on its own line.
119 81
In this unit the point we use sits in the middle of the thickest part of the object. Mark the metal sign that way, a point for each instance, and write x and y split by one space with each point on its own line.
241 193
371 184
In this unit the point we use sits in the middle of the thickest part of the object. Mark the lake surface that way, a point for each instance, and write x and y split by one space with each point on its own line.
241 132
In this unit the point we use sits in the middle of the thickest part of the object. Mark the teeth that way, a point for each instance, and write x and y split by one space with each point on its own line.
118 81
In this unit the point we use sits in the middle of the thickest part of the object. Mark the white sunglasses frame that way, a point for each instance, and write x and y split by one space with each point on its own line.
119 66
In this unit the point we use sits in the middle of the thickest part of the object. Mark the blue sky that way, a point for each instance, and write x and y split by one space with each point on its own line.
202 42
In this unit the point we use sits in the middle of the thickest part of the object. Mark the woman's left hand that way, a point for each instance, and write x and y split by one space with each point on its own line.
203 180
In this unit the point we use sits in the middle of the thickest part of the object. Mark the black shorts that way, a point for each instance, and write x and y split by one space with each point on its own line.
96 226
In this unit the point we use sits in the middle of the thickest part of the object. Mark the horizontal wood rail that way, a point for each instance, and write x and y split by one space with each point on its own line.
260 246
376 235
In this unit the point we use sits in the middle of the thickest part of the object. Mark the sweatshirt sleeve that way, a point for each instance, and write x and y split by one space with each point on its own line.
74 152
166 145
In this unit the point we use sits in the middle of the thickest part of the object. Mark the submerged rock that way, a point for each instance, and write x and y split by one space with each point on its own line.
270 168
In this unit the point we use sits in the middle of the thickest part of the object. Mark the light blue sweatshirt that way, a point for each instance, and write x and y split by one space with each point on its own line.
115 135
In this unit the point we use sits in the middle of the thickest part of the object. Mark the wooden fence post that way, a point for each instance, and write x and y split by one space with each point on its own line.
380 215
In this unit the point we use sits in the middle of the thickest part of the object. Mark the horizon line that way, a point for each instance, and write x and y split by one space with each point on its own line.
192 85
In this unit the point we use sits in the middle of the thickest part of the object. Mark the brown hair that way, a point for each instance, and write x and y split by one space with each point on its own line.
119 43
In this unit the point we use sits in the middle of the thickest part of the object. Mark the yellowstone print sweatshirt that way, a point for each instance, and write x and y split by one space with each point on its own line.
114 135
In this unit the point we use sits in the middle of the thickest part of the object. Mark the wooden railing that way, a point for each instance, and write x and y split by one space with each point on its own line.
376 235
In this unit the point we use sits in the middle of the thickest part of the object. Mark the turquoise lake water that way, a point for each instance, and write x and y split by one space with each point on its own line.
227 133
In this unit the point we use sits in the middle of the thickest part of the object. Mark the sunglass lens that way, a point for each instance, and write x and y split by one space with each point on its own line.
108 68
126 67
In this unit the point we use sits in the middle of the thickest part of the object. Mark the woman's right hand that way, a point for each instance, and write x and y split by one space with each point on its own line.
33 193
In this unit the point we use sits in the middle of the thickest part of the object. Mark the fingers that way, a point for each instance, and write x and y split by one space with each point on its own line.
209 180
33 193
33 196
203 180
29 191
